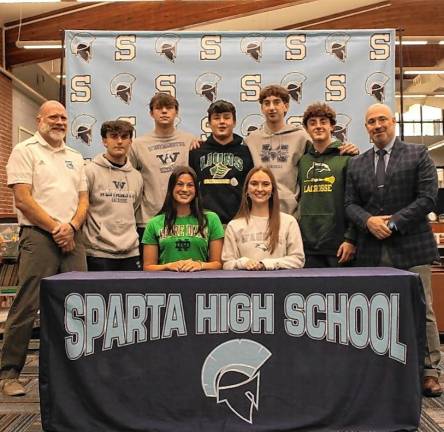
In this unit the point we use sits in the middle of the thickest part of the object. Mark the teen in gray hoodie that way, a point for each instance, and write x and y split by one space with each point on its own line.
115 192
279 146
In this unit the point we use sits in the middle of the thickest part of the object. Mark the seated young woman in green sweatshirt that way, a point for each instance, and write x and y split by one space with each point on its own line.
183 237
260 237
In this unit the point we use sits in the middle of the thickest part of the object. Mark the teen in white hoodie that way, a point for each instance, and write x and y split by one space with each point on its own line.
260 237
115 191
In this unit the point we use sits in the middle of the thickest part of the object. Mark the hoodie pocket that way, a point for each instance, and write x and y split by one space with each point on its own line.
118 236
318 231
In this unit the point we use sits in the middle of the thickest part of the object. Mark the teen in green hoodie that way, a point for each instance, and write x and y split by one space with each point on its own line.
328 238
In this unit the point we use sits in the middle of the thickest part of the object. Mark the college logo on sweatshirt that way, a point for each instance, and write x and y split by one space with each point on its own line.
270 154
318 178
168 161
220 164
119 184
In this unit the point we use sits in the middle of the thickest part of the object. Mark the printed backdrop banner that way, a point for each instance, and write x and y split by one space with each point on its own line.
113 75
217 351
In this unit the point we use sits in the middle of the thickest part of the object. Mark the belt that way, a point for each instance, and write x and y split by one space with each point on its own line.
34 228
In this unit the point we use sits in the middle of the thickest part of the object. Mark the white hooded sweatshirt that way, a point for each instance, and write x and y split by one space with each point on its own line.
114 195
281 151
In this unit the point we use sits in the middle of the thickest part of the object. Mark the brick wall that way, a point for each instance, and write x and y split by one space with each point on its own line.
6 202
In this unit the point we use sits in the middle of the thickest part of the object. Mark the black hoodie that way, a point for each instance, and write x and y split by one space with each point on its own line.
221 171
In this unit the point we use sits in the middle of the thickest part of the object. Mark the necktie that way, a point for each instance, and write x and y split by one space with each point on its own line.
380 169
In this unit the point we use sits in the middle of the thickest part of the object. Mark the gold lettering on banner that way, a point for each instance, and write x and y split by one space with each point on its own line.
81 88
211 48
126 45
335 85
380 44
165 84
297 50
205 127
251 87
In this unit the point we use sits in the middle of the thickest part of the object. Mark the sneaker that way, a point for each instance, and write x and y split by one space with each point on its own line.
431 387
12 387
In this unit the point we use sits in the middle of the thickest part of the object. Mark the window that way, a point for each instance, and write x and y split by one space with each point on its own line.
422 120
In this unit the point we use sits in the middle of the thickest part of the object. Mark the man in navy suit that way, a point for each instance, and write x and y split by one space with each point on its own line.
390 190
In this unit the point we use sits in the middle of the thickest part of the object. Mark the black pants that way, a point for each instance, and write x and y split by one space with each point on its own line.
321 261
113 264
140 231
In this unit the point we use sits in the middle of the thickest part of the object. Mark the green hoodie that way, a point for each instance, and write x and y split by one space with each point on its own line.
322 216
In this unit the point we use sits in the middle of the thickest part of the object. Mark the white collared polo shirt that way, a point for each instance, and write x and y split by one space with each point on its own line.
56 175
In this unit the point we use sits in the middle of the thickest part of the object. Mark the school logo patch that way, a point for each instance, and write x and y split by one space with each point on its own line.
231 375
167 46
293 82
375 85
81 128
336 45
206 86
81 46
251 123
121 86
251 45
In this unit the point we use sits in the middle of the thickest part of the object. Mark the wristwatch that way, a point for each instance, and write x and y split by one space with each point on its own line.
391 226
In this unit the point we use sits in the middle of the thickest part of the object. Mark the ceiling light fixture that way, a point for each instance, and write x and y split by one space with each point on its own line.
436 145
412 42
30 1
424 72
412 96
47 44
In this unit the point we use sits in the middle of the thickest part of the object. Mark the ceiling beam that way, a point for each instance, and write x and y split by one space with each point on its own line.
131 16
415 17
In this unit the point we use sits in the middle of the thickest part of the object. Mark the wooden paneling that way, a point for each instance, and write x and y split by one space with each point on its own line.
130 16
415 17
438 297
421 55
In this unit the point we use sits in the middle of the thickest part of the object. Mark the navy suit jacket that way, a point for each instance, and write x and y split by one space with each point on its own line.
410 193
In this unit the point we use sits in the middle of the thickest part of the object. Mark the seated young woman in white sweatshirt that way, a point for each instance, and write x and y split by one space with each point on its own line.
260 237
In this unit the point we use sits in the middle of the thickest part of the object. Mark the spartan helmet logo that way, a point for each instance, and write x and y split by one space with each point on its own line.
336 45
293 83
81 128
231 374
340 128
375 85
167 46
251 123
206 85
252 45
121 86
81 44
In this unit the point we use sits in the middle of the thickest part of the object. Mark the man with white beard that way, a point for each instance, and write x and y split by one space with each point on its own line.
50 191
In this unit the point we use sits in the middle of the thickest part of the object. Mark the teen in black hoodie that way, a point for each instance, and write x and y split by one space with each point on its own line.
222 163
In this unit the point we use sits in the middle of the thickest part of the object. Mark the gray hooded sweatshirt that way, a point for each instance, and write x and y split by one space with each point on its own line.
114 195
281 152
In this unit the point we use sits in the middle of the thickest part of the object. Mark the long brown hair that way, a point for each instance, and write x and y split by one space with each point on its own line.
274 219
169 207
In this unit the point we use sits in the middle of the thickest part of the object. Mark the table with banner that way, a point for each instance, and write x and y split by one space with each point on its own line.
311 349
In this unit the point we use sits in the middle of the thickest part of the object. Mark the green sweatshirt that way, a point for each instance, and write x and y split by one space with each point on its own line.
322 216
